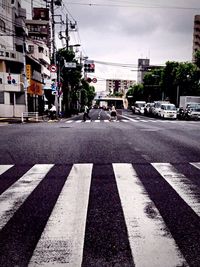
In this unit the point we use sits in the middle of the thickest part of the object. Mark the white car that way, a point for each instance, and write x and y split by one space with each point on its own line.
168 111
139 107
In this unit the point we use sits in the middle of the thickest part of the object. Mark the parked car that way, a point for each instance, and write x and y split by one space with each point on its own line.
192 111
168 111
156 109
148 109
138 107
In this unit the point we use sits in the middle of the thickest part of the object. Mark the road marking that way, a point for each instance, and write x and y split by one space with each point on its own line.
181 184
61 243
151 246
15 196
197 165
97 121
4 168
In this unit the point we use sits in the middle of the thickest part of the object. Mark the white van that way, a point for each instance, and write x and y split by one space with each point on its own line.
138 107
168 111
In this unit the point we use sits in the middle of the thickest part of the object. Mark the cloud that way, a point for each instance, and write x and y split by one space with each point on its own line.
124 34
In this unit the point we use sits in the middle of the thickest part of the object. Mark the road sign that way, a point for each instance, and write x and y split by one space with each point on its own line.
70 64
94 80
53 68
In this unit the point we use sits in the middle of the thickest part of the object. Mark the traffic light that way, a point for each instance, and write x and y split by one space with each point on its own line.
89 67
89 80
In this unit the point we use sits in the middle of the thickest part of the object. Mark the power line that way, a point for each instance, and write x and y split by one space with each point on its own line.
135 5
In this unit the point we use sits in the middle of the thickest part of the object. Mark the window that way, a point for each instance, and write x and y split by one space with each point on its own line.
2 25
1 97
40 49
20 98
31 48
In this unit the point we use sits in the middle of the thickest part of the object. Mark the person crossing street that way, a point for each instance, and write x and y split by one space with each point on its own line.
86 113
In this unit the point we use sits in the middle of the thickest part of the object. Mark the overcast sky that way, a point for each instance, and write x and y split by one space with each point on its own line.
121 31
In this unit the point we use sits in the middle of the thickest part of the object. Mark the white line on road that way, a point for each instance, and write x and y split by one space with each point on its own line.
150 244
197 165
4 168
15 196
61 243
183 186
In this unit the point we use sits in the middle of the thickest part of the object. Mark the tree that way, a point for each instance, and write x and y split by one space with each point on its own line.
187 78
168 81
152 85
135 92
197 58
70 78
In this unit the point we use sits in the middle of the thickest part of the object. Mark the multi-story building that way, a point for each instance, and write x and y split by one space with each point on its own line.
117 85
196 35
24 58
144 67
38 59
12 33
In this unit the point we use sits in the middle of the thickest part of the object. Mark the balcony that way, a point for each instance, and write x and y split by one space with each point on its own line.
44 59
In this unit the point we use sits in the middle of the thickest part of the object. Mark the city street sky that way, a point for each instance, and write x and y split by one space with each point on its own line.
121 31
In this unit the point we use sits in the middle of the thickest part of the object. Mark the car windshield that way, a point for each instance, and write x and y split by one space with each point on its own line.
170 107
195 107
139 105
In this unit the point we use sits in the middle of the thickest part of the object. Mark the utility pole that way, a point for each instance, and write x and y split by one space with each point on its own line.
53 34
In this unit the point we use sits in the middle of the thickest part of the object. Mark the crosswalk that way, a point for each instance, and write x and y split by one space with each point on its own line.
85 214
135 120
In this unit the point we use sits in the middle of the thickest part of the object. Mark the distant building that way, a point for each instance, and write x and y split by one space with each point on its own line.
118 85
196 35
143 67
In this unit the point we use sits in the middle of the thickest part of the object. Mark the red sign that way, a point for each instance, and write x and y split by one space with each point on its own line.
53 68
94 80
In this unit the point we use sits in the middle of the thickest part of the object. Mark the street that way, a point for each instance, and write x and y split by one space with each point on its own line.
100 193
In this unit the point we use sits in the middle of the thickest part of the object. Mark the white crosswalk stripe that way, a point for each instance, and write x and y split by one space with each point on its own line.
20 191
187 191
64 232
136 120
4 168
62 240
141 228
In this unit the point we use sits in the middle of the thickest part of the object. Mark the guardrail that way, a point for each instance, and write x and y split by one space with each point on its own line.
27 115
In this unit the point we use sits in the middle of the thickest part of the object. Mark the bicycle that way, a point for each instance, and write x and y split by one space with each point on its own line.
48 116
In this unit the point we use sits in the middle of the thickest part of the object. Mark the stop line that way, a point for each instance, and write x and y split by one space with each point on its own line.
62 240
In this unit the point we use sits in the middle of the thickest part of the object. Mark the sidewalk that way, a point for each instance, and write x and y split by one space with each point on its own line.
10 120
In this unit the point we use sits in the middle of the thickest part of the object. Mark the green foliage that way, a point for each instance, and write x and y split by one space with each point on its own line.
164 83
135 92
197 58
75 89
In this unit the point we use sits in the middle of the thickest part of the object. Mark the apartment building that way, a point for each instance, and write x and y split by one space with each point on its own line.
12 32
38 59
196 35
24 58
118 85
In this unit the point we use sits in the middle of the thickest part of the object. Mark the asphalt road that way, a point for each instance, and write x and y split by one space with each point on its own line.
131 198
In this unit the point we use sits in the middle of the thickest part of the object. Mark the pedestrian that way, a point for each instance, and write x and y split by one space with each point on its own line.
86 113
113 113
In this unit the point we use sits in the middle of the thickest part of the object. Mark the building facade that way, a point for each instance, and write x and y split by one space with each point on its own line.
196 35
118 86
12 32
24 59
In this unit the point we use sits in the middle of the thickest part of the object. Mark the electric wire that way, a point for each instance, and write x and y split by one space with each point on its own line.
134 5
